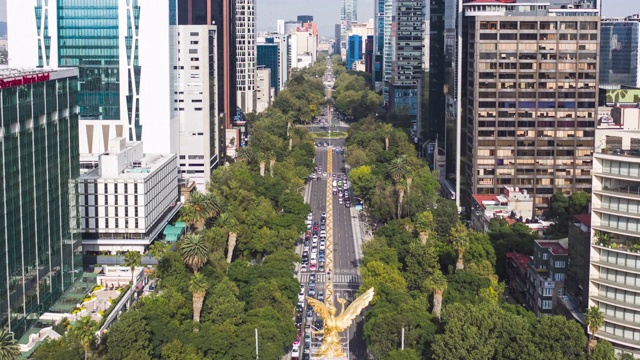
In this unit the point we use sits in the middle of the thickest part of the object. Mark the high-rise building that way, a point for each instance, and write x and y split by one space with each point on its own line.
378 41
405 85
291 26
280 26
368 55
263 88
221 13
122 49
348 15
388 50
529 97
354 50
615 233
268 58
303 19
195 97
620 52
39 158
338 39
246 54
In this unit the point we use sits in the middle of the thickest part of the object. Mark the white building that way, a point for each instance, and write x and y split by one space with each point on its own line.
263 89
124 79
280 26
306 40
127 201
246 54
614 272
195 98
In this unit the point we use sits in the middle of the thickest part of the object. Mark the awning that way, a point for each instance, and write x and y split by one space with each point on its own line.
173 233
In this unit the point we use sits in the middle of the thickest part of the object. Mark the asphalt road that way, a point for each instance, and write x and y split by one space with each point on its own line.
345 274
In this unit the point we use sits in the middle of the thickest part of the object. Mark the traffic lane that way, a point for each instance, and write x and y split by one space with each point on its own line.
346 257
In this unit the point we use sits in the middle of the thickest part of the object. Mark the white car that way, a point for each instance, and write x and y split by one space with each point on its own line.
340 201
323 234
295 352
310 216
335 182
323 245
315 239
301 294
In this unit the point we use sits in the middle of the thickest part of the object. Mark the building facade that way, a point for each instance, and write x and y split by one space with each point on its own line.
125 203
122 50
577 282
195 98
619 52
536 135
268 59
338 39
264 89
305 18
348 15
38 161
354 50
546 274
615 236
246 54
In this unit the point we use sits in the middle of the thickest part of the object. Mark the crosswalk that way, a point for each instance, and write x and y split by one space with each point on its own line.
337 278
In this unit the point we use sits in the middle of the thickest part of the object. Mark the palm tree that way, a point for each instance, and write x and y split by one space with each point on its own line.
425 224
387 129
397 171
229 223
194 250
594 319
132 259
437 282
459 240
158 249
85 331
198 286
201 207
244 154
9 348
263 162
272 161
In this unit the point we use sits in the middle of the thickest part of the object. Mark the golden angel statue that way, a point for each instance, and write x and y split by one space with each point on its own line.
334 325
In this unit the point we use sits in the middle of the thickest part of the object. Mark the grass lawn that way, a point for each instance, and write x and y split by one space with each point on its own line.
334 134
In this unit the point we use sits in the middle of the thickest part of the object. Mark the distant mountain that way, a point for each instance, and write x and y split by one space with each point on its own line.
3 28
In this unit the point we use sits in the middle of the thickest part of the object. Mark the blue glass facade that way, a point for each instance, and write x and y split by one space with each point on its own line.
88 39
619 42
267 56
354 50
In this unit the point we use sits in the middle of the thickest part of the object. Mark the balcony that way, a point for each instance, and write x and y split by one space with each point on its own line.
618 340
609 265
616 285
614 302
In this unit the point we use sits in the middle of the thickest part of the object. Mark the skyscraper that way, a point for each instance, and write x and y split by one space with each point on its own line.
268 58
348 15
620 52
354 50
528 97
246 54
338 39
124 58
40 258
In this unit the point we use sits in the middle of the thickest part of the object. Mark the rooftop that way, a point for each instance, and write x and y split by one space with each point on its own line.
520 259
555 247
10 77
138 169
584 219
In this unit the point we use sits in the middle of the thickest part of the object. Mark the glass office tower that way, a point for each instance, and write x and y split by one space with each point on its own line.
619 47
38 158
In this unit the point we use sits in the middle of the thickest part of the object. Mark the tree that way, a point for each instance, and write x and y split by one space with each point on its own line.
262 158
129 335
9 348
198 286
158 250
244 154
458 237
229 223
194 250
132 259
420 262
387 130
438 283
175 350
199 209
594 319
397 171
425 225
406 354
85 331
603 351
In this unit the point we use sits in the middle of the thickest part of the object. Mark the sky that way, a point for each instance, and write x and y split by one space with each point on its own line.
327 12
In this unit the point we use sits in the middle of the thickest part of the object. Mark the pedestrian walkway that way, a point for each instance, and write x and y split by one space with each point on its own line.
337 279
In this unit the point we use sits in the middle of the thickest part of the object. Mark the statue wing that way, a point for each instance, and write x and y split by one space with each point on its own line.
319 307
346 318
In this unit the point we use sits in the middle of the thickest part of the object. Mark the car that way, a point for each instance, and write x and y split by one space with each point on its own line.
322 245
318 324
304 268
340 183
335 182
313 175
315 232
320 266
314 251
315 238
321 257
313 267
324 174
347 204
306 246
315 227
323 220
309 315
310 216
340 195
305 254
312 277
301 293
298 320
321 295
299 307
312 291
308 226
307 337
333 175
334 191
323 233
339 200
323 227
345 186
295 352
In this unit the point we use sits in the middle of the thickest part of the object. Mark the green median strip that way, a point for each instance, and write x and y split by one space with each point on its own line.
324 134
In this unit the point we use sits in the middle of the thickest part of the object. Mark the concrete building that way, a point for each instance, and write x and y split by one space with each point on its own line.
264 90
615 235
619 52
246 54
280 26
354 50
348 15
195 98
122 78
546 274
125 203
39 159
513 205
577 283
517 267
362 29
306 43
291 26
338 39
518 131
287 59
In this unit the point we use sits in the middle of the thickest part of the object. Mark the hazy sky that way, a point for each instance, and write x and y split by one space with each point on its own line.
327 12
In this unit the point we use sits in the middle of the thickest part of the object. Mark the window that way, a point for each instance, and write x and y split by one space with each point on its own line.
559 277
545 256
559 264
547 292
194 34
193 51
546 304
